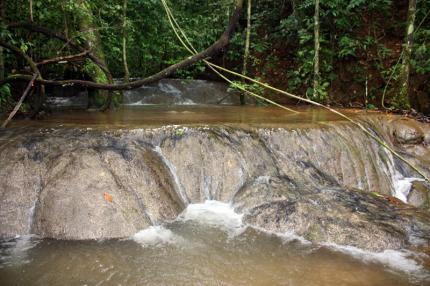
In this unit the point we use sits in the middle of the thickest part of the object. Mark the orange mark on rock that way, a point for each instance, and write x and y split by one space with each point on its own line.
107 197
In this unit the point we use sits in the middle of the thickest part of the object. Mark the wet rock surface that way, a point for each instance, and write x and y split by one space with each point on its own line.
408 132
336 215
419 195
72 183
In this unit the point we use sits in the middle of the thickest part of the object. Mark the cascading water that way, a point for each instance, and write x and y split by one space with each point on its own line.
180 92
271 195
172 170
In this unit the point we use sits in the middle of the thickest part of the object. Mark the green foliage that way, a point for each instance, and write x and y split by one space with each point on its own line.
421 60
371 106
4 95
94 71
421 52
321 92
348 47
252 87
358 38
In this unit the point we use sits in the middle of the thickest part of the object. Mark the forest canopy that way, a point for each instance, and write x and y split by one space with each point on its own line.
361 53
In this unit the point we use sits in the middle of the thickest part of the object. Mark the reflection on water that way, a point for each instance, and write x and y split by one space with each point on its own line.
202 247
149 116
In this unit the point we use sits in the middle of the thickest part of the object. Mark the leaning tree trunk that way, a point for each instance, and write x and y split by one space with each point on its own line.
92 36
124 42
402 98
317 50
247 44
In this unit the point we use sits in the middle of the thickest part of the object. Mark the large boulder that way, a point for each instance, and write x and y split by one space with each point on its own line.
336 215
80 185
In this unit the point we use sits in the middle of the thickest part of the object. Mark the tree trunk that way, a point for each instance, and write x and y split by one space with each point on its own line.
92 36
39 100
30 4
247 44
317 50
2 14
402 98
66 22
21 100
124 42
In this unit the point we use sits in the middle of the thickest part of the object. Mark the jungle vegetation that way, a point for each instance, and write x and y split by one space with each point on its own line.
361 53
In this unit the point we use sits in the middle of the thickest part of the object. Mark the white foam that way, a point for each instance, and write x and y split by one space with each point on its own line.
286 237
402 186
156 236
213 213
290 236
15 251
401 260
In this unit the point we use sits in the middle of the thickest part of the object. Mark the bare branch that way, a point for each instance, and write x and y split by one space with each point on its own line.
21 100
70 58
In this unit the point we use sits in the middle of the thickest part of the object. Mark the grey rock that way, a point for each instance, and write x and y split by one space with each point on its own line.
427 137
419 195
340 216
56 187
408 132
54 182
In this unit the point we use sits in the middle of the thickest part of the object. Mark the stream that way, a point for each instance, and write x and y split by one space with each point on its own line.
207 245
204 195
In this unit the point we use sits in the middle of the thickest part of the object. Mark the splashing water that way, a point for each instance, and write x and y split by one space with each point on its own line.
213 213
156 236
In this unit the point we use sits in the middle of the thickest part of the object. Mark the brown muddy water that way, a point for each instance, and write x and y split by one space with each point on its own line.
154 116
206 245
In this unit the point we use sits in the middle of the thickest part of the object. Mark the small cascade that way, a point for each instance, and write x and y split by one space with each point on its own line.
181 92
31 217
401 184
172 169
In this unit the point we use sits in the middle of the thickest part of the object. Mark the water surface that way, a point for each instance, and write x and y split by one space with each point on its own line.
206 245
158 115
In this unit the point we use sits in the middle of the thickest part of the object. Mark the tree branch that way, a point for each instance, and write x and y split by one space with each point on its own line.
23 55
21 100
70 58
215 48
52 34
33 67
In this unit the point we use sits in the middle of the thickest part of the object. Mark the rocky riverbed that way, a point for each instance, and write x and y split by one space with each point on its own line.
321 179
